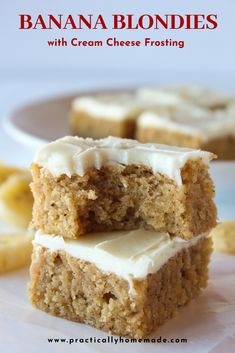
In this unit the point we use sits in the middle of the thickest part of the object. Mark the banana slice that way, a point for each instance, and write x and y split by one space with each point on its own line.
224 237
15 251
16 200
6 171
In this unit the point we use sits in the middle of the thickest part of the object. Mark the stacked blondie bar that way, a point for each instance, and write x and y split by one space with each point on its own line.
122 231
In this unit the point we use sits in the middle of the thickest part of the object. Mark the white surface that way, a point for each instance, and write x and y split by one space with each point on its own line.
207 323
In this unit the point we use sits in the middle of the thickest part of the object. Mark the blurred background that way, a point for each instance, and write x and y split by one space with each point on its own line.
29 69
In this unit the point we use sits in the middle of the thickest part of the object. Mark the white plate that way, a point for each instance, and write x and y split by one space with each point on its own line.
42 121
37 123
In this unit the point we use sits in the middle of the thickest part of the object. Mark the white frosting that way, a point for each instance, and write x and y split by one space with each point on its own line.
111 107
158 97
186 94
128 254
151 119
75 155
206 126
201 96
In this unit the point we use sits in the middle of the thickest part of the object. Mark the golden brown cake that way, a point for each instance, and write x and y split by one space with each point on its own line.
126 283
84 185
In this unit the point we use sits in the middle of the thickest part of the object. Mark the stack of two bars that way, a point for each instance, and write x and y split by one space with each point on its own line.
122 231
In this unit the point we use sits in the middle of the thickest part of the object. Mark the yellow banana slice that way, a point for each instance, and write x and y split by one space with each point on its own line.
16 200
6 171
15 251
223 237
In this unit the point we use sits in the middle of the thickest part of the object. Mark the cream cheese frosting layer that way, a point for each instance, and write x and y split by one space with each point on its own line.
112 107
158 97
184 94
158 120
75 155
206 126
202 96
128 254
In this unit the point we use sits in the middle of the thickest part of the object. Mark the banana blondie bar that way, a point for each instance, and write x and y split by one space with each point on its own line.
127 283
84 185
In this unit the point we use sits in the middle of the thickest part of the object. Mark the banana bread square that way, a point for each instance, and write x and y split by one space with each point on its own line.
128 285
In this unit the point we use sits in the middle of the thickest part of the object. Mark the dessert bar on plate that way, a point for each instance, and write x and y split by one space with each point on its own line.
102 115
185 127
84 185
126 282
190 117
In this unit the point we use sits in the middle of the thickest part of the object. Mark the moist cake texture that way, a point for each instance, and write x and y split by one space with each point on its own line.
65 284
84 185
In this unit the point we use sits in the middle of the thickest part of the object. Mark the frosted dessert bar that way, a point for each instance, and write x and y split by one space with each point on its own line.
214 133
193 118
102 115
127 283
84 185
